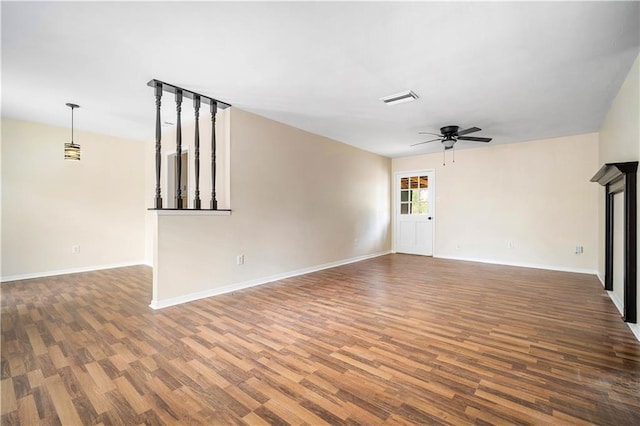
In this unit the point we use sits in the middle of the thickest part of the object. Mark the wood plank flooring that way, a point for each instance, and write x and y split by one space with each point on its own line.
394 340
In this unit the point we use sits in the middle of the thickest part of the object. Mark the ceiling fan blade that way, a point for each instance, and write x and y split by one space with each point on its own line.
474 139
429 133
469 130
420 143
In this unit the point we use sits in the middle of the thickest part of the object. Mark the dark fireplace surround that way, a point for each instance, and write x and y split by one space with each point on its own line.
617 178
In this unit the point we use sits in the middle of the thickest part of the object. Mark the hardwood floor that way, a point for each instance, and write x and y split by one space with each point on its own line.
398 339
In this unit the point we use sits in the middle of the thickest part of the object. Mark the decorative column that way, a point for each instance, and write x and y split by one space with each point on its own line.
158 198
631 246
178 150
608 243
214 109
196 106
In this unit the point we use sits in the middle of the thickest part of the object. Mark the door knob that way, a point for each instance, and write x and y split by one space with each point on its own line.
429 217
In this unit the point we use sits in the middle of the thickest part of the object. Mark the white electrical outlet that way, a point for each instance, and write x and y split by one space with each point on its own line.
510 245
579 249
75 248
240 259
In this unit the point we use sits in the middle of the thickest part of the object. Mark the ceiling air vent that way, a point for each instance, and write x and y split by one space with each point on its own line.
399 98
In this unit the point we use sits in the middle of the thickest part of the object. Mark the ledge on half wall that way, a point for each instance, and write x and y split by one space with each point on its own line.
191 212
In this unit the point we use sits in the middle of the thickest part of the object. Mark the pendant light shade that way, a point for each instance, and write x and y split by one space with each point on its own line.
71 149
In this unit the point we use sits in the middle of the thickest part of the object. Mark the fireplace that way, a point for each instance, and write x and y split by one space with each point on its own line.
620 178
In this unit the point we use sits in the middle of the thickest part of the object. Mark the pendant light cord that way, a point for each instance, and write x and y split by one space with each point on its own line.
72 106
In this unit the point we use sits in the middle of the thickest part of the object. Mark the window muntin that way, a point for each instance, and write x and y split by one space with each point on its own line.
414 195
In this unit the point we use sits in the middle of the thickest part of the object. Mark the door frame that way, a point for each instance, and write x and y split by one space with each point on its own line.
395 205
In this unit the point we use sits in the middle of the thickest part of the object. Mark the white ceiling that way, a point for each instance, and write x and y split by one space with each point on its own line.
519 71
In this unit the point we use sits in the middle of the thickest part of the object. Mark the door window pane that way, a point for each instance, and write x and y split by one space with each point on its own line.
414 195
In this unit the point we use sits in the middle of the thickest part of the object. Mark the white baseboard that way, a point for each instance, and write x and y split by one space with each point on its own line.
68 271
635 329
159 304
616 301
525 265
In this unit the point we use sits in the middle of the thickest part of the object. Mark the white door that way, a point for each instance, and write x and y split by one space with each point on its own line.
413 206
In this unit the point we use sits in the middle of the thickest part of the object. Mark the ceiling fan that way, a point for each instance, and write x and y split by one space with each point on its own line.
451 134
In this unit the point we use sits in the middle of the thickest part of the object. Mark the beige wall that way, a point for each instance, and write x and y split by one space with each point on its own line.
619 142
620 131
536 195
50 204
299 201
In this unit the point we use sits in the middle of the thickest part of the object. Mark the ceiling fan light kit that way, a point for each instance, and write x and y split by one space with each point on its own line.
448 142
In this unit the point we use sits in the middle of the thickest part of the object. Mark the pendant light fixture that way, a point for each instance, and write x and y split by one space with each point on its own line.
72 150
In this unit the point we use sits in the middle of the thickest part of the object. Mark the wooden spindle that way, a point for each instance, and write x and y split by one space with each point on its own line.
214 109
196 107
178 150
198 99
158 198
